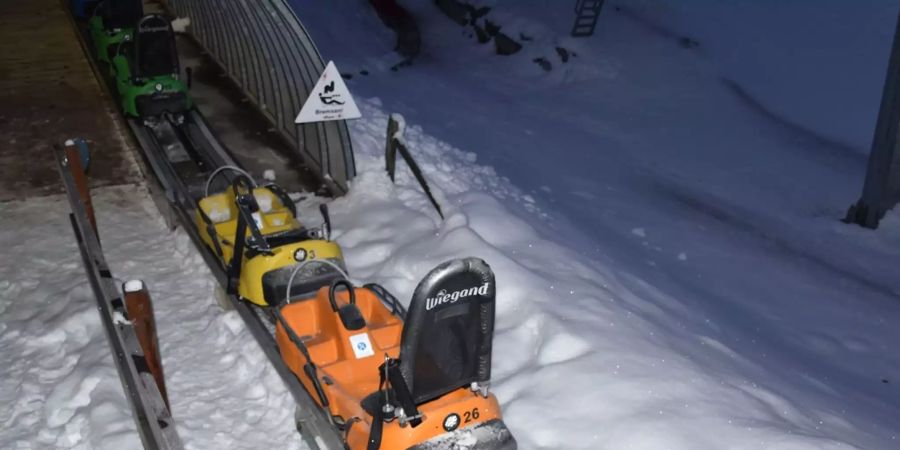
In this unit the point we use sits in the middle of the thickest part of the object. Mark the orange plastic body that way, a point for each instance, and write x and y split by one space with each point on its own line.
347 378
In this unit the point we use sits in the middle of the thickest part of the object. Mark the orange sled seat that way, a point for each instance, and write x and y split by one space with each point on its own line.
393 379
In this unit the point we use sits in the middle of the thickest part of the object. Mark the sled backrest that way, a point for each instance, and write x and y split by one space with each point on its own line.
306 282
449 328
118 14
156 54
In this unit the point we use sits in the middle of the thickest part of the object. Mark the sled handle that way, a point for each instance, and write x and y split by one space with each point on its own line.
333 288
287 298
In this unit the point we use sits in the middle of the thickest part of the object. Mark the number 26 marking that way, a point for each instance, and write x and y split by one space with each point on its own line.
469 416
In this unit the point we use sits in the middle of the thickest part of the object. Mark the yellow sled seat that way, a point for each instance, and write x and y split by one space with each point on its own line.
263 276
273 217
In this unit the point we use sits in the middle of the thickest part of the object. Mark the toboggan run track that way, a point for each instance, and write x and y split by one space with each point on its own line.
172 152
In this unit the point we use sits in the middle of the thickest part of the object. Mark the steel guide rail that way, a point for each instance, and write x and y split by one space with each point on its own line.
194 134
152 417
311 420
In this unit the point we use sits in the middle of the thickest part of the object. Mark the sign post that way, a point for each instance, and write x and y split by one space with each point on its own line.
329 100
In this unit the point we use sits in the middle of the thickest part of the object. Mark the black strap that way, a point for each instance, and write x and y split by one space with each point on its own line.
326 218
309 368
377 428
246 205
214 237
280 239
237 256
401 391
213 234
398 386
349 425
284 197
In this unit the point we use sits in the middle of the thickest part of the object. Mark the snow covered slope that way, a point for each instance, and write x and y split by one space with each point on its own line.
819 64
675 223
644 357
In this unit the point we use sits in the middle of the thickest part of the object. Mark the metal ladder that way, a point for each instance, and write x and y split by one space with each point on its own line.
587 13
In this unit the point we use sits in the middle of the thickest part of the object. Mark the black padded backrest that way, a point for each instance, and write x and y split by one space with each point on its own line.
449 328
155 51
121 13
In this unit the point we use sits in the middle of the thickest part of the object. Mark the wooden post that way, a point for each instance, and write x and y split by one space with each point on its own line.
394 144
140 312
390 149
73 162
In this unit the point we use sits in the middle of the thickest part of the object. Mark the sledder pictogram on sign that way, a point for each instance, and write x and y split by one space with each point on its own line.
329 100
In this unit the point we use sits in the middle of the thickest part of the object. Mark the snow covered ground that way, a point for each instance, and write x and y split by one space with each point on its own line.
662 223
644 356
675 225
58 382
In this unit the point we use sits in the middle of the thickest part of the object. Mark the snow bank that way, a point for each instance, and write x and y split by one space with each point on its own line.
697 188
58 381
574 339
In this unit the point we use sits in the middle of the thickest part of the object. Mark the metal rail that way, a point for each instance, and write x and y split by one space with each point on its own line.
154 422
312 421
176 203
266 50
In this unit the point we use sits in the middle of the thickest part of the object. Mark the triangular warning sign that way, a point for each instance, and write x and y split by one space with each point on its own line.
329 100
